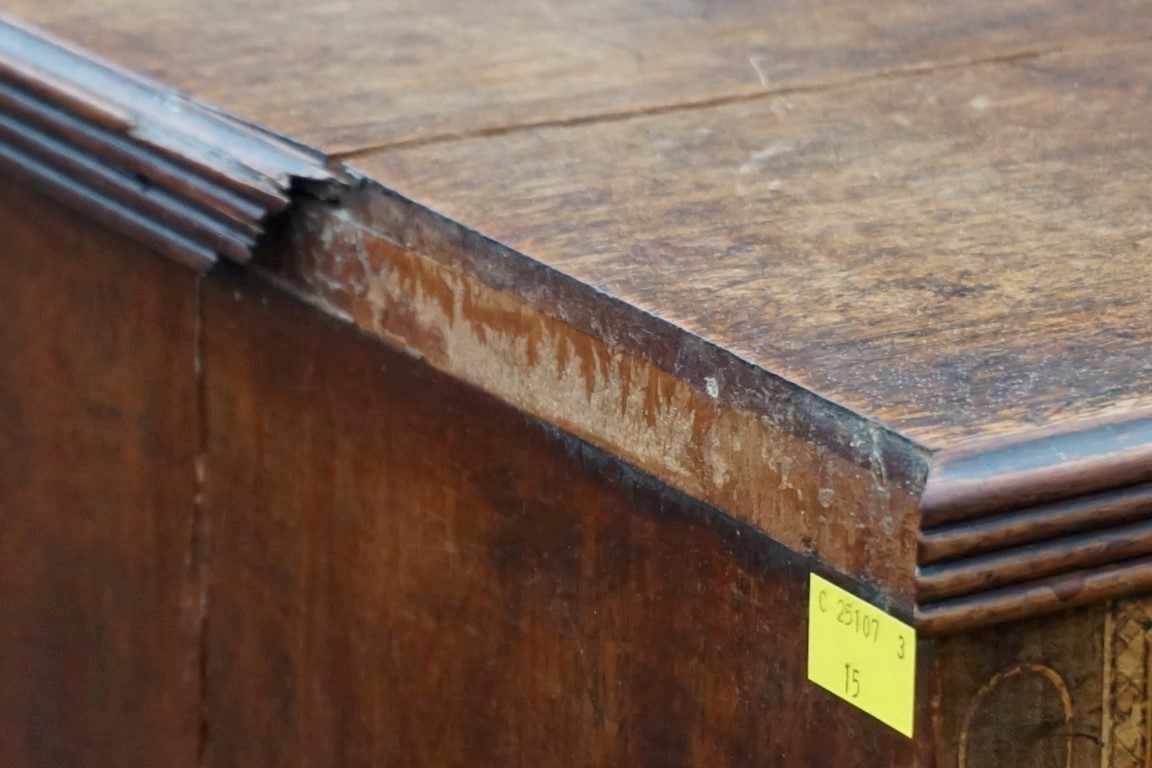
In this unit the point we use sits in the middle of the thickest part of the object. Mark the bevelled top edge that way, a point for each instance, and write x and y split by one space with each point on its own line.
185 178
1019 471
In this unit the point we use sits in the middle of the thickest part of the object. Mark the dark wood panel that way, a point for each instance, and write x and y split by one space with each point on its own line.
408 572
346 75
99 605
956 256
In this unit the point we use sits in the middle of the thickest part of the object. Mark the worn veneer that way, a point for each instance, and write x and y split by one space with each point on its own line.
915 252
653 352
953 258
935 386
684 433
453 318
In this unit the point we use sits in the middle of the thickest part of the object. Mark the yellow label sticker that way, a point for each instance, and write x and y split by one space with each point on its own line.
861 654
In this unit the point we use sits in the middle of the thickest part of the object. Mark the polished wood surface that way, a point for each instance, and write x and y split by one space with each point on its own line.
906 246
99 600
890 285
1043 522
1059 464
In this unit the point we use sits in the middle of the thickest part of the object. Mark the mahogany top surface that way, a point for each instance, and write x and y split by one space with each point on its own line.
934 215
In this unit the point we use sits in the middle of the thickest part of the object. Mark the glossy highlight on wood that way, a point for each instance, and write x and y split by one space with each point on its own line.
1033 468
1040 523
1036 598
1035 560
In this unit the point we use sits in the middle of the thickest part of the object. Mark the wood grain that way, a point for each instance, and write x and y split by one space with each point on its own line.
783 257
1060 691
1039 467
980 572
347 75
956 257
99 599
408 572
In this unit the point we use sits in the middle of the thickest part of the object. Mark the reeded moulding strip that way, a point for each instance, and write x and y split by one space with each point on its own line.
1034 523
182 178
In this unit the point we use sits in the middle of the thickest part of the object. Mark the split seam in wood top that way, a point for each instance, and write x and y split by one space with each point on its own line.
895 73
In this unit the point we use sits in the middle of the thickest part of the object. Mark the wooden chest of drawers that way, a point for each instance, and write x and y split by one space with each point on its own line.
460 384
